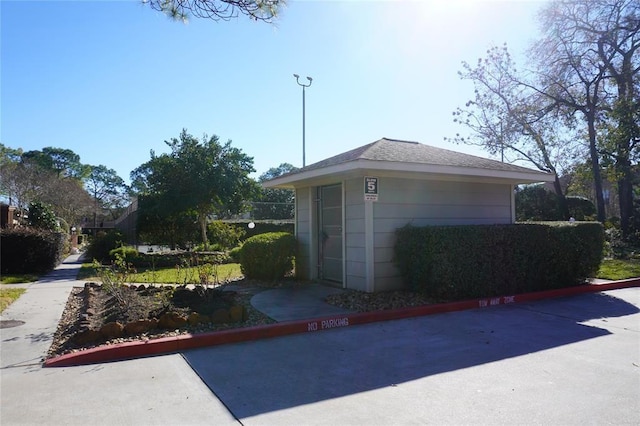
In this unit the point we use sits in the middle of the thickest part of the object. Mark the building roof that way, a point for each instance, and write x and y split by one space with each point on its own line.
411 157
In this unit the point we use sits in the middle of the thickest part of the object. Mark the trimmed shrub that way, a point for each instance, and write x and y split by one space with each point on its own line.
263 227
457 262
127 253
268 256
30 251
234 254
102 244
163 260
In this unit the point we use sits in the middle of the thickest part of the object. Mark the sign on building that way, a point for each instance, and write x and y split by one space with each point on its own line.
370 188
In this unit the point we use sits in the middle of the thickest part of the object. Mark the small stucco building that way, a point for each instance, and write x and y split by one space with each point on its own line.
349 206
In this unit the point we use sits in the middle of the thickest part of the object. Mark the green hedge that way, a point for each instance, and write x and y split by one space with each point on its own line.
29 250
457 262
163 260
102 243
262 227
268 256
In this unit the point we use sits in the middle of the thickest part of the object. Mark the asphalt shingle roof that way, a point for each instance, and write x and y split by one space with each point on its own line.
393 150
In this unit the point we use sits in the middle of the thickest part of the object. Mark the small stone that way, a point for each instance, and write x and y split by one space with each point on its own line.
237 313
220 316
87 336
172 320
112 330
194 318
140 326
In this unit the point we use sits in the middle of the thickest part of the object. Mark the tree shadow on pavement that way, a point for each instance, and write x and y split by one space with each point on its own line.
263 376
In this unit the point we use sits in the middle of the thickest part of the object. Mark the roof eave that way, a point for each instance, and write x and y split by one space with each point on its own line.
428 170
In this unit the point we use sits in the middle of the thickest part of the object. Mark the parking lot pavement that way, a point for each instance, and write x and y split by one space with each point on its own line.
150 391
574 360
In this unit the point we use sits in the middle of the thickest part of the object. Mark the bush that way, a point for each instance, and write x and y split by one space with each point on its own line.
41 216
536 203
617 247
224 235
102 244
581 208
164 260
457 262
234 254
127 253
268 256
29 250
263 227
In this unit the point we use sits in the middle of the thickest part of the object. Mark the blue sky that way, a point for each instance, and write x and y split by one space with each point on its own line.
114 80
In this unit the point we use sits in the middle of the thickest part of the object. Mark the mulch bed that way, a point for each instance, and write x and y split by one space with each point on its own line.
97 315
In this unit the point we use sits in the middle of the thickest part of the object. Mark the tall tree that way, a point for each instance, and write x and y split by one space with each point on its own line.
508 118
64 162
617 31
258 10
107 189
201 177
589 48
45 177
24 182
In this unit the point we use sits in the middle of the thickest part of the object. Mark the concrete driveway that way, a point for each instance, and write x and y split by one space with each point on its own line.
573 360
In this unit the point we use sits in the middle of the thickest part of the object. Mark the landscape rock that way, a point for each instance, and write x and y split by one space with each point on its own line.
112 330
194 318
172 320
140 326
237 313
87 336
220 316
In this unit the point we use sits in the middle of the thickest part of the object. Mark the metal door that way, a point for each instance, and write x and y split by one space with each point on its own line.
330 233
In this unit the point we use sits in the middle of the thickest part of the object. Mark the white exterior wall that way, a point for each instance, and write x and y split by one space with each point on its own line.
354 234
304 234
420 203
400 202
424 202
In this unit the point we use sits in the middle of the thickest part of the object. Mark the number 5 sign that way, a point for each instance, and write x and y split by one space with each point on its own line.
370 188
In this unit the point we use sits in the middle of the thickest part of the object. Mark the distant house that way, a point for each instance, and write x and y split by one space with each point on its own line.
349 206
7 215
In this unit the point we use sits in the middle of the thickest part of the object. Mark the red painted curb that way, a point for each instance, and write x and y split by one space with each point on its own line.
184 342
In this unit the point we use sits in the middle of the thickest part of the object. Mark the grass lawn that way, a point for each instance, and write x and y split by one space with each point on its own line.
8 295
18 278
614 269
172 275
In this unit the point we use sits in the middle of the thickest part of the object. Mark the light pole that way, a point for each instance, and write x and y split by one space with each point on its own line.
304 86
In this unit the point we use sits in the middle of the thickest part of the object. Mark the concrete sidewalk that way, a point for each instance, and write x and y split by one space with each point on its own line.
158 390
570 360
40 308
153 390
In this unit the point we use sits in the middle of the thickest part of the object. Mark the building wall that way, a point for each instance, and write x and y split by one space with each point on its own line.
400 202
354 234
303 221
425 202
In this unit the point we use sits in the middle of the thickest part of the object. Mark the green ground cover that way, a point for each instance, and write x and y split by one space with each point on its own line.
8 296
616 269
18 278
